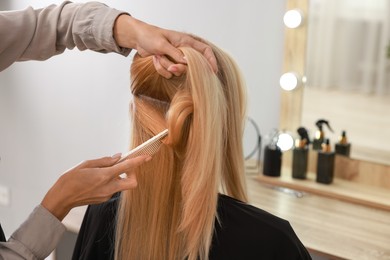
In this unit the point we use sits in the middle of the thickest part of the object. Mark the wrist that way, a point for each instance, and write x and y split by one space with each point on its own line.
125 31
55 202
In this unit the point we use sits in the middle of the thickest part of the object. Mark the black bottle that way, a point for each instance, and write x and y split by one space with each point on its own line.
318 140
300 155
343 147
325 164
272 161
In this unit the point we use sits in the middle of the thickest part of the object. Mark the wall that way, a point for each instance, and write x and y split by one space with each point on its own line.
72 107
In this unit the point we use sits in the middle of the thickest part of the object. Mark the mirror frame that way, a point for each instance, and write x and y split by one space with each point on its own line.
364 172
294 60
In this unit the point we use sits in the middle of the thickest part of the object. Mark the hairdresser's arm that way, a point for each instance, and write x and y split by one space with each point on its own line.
39 34
91 182
36 238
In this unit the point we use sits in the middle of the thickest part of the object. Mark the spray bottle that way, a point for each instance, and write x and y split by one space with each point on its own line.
320 134
325 164
300 154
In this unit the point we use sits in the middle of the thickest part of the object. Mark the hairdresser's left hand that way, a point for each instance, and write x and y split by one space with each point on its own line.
151 40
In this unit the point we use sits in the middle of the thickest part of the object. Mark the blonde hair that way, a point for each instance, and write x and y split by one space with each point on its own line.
171 214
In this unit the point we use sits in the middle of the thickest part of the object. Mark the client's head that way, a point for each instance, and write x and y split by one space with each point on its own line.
171 214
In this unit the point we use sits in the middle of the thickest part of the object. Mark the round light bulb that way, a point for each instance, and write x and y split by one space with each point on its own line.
285 142
289 81
293 18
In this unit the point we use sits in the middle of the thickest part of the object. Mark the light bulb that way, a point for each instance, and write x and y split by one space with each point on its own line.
293 18
285 141
289 81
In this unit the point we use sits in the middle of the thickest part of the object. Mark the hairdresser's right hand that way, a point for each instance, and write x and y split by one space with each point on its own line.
152 40
91 182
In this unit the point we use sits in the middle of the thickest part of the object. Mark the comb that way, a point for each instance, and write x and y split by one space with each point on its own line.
149 147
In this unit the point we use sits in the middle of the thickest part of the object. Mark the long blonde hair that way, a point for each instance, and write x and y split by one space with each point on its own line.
171 214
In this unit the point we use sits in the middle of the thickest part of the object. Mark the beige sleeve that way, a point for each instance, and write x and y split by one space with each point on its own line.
39 34
36 238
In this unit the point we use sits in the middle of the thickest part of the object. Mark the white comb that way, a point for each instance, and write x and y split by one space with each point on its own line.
149 147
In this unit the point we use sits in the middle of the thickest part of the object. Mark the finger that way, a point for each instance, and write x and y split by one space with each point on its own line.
177 69
160 69
207 52
165 62
101 162
121 184
174 53
127 165
127 183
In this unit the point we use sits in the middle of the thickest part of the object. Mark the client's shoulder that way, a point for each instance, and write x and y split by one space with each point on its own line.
244 230
244 214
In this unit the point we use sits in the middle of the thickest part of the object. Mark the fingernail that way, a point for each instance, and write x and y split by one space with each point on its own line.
154 59
185 58
123 176
172 68
117 155
147 159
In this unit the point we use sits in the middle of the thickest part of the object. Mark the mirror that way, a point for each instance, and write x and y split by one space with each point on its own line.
348 74
365 172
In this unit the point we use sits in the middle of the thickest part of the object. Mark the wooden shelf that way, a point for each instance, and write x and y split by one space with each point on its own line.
340 189
328 227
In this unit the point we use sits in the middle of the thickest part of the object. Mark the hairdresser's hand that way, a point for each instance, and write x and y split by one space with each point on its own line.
151 40
91 182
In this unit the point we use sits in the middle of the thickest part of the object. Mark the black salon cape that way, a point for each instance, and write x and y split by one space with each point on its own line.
2 236
245 232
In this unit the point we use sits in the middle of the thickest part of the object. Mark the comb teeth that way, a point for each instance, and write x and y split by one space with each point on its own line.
149 147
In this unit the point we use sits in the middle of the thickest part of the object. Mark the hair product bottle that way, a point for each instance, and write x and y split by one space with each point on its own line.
343 147
325 164
320 134
272 160
300 155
